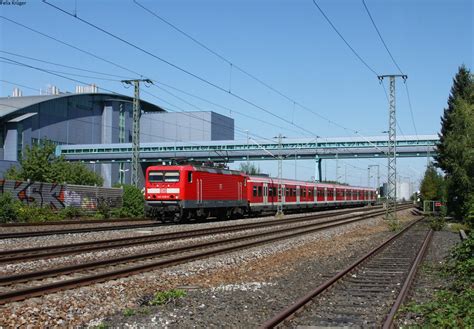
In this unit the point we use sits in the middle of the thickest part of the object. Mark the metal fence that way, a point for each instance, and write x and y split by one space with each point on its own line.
58 196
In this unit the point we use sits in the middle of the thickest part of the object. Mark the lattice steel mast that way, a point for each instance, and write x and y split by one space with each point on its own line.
136 128
391 202
279 212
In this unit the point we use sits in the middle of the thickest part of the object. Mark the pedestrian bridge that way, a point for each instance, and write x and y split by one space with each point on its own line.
252 150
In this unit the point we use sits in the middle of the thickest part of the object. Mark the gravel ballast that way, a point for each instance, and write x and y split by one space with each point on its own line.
240 289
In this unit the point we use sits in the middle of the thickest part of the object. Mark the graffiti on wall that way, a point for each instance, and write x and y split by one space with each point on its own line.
58 196
40 194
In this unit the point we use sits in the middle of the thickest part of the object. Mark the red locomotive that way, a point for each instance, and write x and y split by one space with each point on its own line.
183 192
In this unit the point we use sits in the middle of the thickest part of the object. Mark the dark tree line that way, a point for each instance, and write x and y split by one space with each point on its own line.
455 152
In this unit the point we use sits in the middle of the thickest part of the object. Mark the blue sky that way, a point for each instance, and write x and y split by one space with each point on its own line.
287 44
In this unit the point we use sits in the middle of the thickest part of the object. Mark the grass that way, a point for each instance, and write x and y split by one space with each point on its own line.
165 297
128 312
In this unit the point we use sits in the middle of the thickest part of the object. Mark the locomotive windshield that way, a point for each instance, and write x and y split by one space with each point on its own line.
163 176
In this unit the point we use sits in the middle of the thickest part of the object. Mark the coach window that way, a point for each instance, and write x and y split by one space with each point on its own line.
254 191
259 191
190 176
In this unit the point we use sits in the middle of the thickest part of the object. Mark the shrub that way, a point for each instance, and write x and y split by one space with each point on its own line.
165 297
128 312
33 213
71 212
8 208
103 207
133 203
437 223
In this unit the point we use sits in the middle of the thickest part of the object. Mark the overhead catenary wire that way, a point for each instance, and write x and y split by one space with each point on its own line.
212 84
360 135
120 66
19 85
343 39
155 82
394 62
381 39
75 80
12 62
65 66
233 65
71 46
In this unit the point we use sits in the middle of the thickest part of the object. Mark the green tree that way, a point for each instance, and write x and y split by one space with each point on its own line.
249 168
39 163
462 83
432 185
456 148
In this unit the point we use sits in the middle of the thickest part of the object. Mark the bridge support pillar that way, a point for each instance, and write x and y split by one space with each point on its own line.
317 172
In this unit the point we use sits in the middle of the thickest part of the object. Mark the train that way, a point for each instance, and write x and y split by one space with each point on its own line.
180 193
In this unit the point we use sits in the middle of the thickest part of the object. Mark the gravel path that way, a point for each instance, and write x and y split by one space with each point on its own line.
241 289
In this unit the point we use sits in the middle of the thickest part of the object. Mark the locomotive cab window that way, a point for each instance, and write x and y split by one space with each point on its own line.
259 191
190 176
171 176
155 176
254 191
163 176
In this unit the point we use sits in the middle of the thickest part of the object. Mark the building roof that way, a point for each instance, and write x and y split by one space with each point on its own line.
9 105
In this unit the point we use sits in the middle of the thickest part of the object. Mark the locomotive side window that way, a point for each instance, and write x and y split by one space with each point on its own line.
259 191
254 191
190 177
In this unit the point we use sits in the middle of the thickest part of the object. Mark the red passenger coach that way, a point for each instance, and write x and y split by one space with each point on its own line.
180 193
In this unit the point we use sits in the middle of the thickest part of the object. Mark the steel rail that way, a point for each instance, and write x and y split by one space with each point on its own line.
298 304
39 290
76 222
408 282
9 256
76 230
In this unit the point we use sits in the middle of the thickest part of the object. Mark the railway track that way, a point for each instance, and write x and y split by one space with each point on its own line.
75 222
25 285
29 234
21 255
367 293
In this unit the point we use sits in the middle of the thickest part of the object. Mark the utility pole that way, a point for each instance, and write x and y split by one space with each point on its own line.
378 175
280 178
136 127
391 203
248 155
